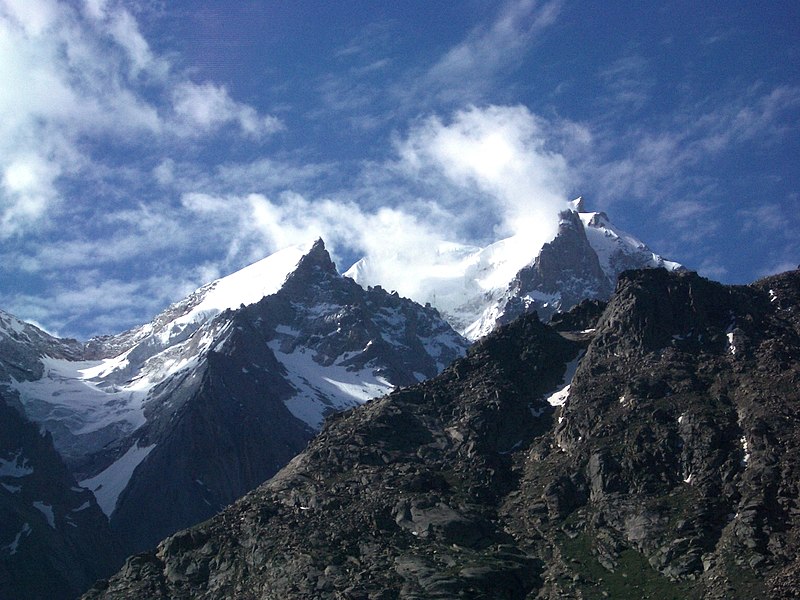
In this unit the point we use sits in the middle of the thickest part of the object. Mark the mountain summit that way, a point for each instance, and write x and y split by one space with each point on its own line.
476 289
171 421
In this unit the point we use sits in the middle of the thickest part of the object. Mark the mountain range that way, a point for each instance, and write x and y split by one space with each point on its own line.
653 454
162 426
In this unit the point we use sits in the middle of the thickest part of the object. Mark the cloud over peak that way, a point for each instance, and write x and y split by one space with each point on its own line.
501 151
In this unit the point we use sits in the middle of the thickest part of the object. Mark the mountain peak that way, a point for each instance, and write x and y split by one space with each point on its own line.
577 205
475 288
317 256
314 267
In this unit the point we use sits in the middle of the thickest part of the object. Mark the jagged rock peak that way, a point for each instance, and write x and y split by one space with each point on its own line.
317 258
476 289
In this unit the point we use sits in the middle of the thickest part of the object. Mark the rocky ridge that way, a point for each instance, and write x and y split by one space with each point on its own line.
669 470
274 370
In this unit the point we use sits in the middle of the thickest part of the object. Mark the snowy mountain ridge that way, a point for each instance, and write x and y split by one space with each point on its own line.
180 320
476 289
268 351
86 404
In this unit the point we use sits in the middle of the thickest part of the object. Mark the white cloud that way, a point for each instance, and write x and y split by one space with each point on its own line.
203 108
101 304
34 17
490 162
125 31
257 225
501 150
28 186
80 85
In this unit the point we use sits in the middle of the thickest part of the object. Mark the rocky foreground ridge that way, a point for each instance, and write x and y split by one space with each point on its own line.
668 467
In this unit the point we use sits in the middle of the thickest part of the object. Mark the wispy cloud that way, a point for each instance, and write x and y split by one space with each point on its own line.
204 108
466 71
74 75
628 82
656 162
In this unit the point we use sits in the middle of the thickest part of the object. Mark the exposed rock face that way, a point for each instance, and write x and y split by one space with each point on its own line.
54 540
221 429
400 494
566 272
229 434
671 471
683 425
581 263
22 345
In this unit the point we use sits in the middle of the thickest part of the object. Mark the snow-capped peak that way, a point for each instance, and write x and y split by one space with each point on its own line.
248 285
104 385
618 250
473 287
182 319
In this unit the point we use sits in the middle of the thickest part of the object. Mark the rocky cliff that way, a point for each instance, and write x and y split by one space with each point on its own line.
666 467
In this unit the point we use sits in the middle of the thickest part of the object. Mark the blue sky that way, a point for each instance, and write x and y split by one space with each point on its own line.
149 147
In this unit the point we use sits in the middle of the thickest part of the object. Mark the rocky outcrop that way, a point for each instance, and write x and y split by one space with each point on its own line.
681 433
398 496
671 470
222 430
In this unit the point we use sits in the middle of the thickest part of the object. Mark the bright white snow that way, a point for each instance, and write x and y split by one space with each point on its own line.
108 484
560 397
462 282
467 284
322 390
746 450
246 286
65 395
609 243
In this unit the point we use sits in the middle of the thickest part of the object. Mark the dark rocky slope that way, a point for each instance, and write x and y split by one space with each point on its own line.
671 471
54 539
222 428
